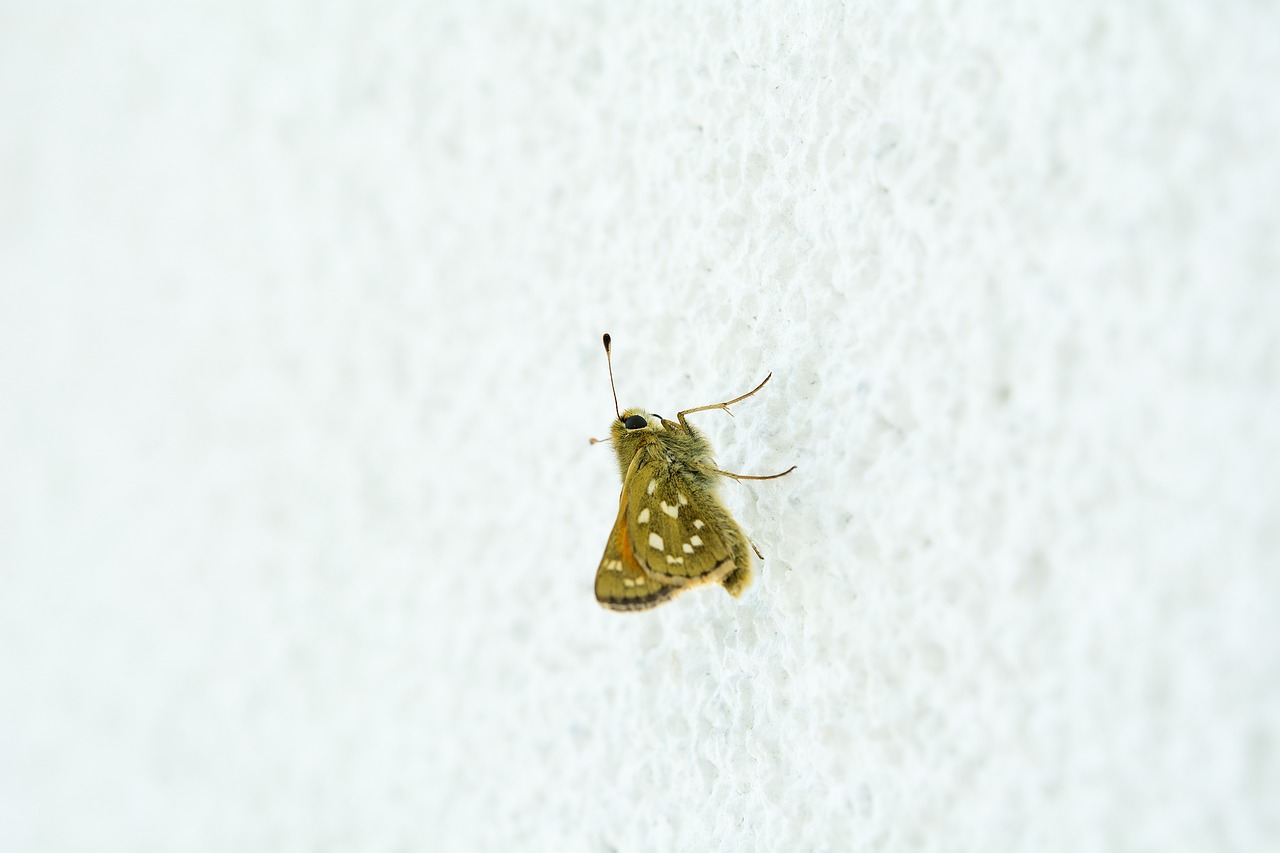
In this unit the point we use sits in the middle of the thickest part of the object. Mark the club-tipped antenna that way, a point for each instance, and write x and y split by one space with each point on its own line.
608 357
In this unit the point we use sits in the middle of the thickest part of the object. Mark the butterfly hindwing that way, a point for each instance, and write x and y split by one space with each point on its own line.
621 584
677 536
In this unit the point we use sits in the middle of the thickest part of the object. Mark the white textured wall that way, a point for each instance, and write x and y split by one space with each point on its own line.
299 352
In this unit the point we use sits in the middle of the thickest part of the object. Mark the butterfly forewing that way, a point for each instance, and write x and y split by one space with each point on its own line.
676 536
621 584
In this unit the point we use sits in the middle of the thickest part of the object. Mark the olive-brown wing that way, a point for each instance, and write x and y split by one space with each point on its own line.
674 527
621 584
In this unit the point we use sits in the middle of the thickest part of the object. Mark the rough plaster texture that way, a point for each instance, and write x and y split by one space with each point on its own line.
299 352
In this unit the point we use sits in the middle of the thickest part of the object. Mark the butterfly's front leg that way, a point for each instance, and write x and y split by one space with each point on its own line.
722 406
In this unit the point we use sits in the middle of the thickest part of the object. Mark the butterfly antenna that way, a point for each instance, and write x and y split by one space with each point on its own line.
608 357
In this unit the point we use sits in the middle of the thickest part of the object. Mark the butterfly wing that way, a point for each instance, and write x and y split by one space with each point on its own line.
679 533
621 584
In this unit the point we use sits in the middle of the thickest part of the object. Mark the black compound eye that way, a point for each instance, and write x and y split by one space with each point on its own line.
635 422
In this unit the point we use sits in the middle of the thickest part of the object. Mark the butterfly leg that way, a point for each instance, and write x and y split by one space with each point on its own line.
722 406
752 476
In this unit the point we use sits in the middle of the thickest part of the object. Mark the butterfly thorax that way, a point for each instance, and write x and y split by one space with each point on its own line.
677 448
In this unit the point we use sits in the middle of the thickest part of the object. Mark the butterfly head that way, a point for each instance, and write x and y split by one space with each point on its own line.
638 422
636 427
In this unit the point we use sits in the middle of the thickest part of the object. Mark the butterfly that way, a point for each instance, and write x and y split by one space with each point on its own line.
672 533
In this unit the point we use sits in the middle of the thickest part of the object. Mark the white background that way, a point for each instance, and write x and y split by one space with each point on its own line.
300 311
